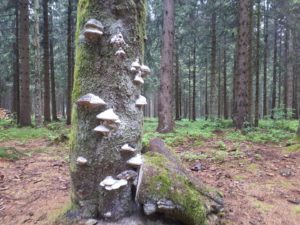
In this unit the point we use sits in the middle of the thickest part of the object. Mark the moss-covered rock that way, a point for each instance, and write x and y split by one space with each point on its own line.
165 188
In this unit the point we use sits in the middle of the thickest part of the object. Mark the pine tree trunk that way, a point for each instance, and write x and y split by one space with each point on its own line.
25 103
47 116
194 85
250 78
266 48
16 78
206 91
240 116
289 71
165 109
37 75
98 71
70 70
274 82
52 69
177 90
190 89
213 77
257 65
225 100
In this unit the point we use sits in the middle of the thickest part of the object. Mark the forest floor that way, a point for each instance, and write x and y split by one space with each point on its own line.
260 181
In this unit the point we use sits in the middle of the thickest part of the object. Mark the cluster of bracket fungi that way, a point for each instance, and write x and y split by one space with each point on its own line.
109 120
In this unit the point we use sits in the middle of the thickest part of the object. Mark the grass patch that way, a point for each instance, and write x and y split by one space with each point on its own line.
10 153
262 206
293 148
191 156
296 209
10 131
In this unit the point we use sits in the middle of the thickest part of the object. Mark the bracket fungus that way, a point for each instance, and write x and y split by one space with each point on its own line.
90 100
81 161
93 30
118 41
135 64
135 161
102 129
138 79
145 70
127 175
128 148
141 101
109 183
120 54
108 115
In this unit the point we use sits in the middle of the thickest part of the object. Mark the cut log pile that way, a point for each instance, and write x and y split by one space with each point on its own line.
5 114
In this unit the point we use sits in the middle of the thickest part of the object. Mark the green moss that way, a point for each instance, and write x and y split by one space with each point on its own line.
296 209
293 148
10 153
262 206
175 187
192 156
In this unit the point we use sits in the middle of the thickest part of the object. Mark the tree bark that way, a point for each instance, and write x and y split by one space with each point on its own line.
243 64
225 100
289 71
165 111
47 116
274 82
70 70
16 78
266 48
37 75
98 71
194 84
177 90
52 69
257 65
213 76
250 78
206 91
25 102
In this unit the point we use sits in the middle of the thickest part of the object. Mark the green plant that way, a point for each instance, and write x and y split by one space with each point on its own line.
10 153
192 156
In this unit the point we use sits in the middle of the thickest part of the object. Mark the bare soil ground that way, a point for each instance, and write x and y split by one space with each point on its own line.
260 183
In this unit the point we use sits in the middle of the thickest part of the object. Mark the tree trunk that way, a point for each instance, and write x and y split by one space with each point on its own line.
47 116
190 90
165 112
25 103
177 90
225 100
16 78
250 78
37 75
274 82
257 65
243 64
194 84
289 71
70 70
206 91
99 71
53 91
213 79
266 48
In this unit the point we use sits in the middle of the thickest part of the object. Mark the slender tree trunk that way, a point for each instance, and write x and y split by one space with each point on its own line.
213 76
102 153
25 103
190 89
16 78
206 91
250 78
194 84
37 75
240 116
53 88
257 65
47 116
177 89
266 48
280 70
289 71
225 99
274 82
219 84
70 70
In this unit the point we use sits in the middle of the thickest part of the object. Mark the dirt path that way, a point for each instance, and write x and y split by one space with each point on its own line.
260 182
34 187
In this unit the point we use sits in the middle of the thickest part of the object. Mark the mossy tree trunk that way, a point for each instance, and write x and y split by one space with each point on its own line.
97 71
